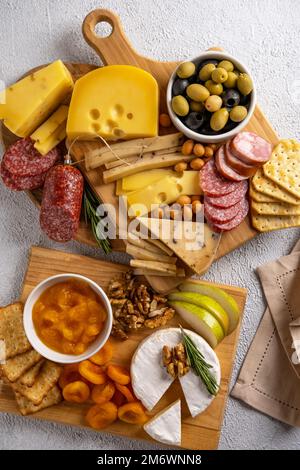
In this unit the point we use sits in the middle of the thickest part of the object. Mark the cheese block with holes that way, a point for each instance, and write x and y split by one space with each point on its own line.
165 427
116 101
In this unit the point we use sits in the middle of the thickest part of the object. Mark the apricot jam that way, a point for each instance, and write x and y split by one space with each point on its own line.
68 316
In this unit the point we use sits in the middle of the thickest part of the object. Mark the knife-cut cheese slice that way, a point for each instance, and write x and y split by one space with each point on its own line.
25 105
193 242
143 179
52 131
165 427
116 101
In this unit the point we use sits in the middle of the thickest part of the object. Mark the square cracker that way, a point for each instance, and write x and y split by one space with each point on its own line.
274 208
29 377
266 223
26 407
46 380
258 196
284 166
266 186
18 365
12 330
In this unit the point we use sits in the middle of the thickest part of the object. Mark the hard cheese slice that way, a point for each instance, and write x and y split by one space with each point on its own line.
27 103
193 242
143 179
164 191
116 101
53 131
165 427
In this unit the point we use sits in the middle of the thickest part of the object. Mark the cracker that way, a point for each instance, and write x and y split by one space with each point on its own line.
284 166
29 377
12 330
26 407
266 186
18 365
46 380
258 196
275 208
266 223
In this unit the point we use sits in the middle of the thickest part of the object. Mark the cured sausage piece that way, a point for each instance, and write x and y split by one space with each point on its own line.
237 165
22 159
224 169
61 203
236 221
251 148
213 184
21 183
218 215
229 199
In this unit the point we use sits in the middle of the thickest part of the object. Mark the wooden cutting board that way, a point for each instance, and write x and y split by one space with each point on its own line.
202 432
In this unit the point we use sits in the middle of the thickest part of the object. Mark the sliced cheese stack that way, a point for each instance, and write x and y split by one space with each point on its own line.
52 132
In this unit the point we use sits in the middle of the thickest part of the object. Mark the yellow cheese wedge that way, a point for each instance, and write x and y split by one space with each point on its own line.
26 104
164 191
52 132
140 180
116 101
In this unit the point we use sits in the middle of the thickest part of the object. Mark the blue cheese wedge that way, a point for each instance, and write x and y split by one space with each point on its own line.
165 427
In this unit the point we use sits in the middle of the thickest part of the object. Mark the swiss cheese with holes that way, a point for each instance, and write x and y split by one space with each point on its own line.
114 102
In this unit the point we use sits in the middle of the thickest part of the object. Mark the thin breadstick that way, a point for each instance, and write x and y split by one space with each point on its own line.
147 272
141 253
161 245
153 265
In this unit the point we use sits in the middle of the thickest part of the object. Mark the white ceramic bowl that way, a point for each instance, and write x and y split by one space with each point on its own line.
209 139
44 350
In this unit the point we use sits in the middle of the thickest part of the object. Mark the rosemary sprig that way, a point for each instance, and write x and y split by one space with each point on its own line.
198 363
90 204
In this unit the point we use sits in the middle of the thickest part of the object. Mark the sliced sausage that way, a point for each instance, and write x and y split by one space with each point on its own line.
219 215
251 148
237 220
238 165
22 159
229 199
213 184
224 169
21 183
61 203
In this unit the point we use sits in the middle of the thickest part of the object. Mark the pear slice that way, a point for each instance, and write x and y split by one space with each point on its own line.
208 303
201 320
219 295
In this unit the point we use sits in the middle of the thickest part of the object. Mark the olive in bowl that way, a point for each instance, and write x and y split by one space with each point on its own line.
202 98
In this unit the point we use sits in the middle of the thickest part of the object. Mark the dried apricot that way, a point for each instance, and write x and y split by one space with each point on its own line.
118 374
69 374
104 355
92 372
133 413
76 392
128 394
118 398
101 416
103 393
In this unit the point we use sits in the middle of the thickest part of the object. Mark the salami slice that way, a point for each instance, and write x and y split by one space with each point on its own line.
213 184
61 203
21 183
229 199
224 169
238 165
233 223
251 148
22 159
219 215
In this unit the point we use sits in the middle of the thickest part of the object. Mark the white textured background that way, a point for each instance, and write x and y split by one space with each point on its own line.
262 33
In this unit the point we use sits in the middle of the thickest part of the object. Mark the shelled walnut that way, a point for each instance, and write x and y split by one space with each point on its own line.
175 360
136 305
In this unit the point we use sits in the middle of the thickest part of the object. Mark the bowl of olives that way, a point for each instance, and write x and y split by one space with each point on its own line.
211 98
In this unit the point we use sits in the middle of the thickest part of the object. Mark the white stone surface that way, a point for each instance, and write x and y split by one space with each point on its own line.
262 33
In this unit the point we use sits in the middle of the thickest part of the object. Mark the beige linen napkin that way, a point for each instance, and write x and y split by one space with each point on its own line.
269 379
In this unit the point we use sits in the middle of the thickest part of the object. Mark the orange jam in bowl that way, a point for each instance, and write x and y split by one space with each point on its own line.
68 316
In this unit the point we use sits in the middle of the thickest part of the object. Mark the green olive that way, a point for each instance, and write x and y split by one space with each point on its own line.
197 92
205 72
238 113
214 88
236 72
227 65
219 119
213 103
244 84
231 80
186 70
219 75
196 106
180 105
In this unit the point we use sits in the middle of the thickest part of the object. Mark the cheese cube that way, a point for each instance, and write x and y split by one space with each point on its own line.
52 132
117 101
26 104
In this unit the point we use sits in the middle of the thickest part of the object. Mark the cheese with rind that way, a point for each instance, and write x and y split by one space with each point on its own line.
165 427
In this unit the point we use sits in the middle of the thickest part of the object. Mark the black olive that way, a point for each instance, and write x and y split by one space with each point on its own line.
231 98
208 61
245 100
179 86
194 120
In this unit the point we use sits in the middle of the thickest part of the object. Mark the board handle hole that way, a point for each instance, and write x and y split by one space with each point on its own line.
103 29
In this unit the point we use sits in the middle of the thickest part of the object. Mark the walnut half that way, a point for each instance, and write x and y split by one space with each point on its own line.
175 360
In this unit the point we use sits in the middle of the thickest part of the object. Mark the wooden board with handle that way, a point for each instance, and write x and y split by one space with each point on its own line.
201 432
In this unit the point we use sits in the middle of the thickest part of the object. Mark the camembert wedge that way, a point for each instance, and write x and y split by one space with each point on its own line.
165 427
